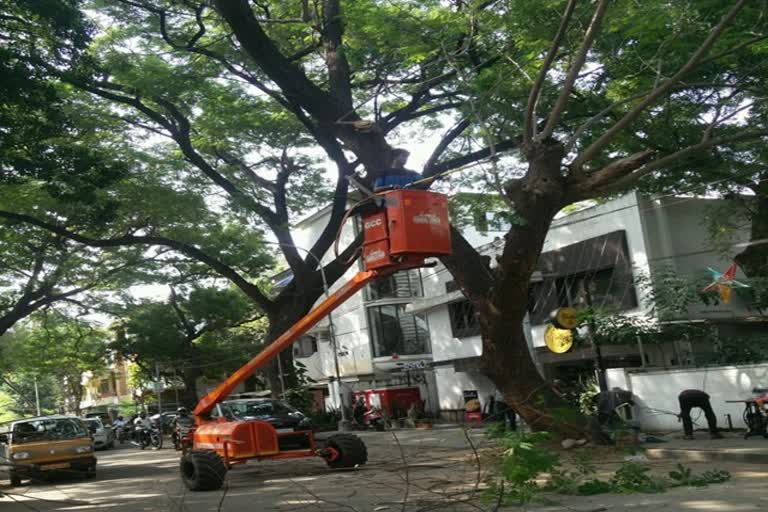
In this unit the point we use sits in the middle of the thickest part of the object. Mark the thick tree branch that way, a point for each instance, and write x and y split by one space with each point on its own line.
335 60
610 173
632 178
188 250
597 146
475 156
562 101
188 327
529 126
446 141
296 86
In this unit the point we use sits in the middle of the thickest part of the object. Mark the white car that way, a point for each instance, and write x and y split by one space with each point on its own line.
103 437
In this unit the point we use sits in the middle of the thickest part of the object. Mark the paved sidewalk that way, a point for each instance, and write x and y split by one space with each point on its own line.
745 492
734 448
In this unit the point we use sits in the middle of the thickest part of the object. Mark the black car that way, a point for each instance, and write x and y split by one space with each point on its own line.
282 416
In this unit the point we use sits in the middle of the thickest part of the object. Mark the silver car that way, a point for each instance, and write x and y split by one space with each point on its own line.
103 437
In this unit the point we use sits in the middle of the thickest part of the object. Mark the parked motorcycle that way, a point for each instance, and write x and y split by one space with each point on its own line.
369 419
124 434
182 436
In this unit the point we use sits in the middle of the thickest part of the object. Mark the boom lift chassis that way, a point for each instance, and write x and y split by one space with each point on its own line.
401 228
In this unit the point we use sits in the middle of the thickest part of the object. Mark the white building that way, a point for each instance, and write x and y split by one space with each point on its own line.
434 343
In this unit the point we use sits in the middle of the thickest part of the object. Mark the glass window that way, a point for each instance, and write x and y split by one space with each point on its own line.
464 322
393 331
609 289
305 347
401 285
48 429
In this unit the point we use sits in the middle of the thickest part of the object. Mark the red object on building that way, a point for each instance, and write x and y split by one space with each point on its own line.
394 401
473 417
412 225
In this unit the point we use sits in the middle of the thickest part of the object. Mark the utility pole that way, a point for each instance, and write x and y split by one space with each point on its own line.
599 365
280 374
37 397
158 390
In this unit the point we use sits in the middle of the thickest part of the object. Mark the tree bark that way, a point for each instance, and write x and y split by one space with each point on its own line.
189 397
501 300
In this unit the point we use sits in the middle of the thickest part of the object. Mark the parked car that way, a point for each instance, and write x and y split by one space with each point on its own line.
37 447
105 418
103 437
282 416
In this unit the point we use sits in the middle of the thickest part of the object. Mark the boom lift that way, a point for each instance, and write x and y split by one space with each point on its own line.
400 229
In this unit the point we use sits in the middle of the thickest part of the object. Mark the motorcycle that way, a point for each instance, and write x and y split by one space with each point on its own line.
124 433
370 419
149 438
182 436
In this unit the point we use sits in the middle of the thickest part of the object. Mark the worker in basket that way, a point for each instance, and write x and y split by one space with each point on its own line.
397 176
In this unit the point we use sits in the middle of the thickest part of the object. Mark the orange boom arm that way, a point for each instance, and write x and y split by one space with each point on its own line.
410 226
208 402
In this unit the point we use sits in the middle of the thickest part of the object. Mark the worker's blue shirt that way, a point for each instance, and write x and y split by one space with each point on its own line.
398 180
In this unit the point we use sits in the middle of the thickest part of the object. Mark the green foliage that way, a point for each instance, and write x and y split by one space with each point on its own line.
198 331
523 460
300 396
326 421
633 477
56 349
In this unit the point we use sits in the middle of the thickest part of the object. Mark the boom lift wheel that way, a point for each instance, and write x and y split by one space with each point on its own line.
15 479
202 470
346 451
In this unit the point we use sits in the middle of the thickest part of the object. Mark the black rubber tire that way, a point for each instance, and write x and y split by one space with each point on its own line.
156 440
15 479
91 472
352 451
202 470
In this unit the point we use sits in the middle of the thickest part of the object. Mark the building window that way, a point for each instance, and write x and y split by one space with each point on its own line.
596 273
104 388
464 322
393 331
305 346
402 285
606 289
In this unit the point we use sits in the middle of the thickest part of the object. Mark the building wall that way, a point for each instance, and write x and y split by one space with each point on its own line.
451 385
656 392
677 239
350 326
618 214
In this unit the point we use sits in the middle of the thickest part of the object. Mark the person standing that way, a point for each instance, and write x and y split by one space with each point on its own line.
691 398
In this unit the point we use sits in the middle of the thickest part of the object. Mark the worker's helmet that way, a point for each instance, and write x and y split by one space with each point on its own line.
182 411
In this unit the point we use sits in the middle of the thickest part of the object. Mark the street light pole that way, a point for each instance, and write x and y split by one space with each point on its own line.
37 398
344 422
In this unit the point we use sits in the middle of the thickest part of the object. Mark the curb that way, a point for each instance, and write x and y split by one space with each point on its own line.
692 455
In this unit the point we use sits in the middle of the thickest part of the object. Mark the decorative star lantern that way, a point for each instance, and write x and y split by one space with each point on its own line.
724 283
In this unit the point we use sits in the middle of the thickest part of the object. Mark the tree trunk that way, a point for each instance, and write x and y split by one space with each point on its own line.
754 259
290 311
502 306
189 396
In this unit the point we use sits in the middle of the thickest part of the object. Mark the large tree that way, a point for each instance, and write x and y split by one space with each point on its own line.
198 331
53 345
567 100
